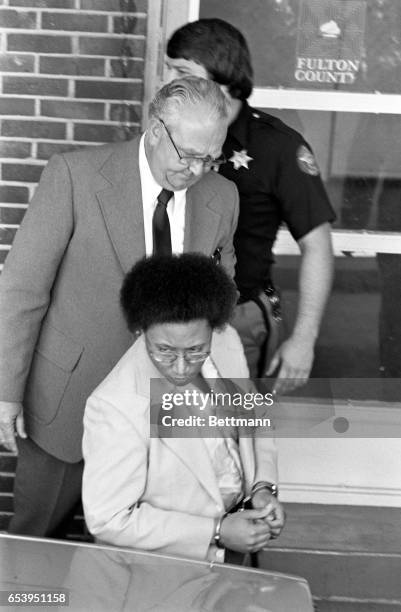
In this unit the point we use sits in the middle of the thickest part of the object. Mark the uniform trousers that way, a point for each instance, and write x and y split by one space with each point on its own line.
251 327
260 333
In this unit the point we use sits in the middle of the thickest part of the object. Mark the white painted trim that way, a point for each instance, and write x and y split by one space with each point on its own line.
361 243
307 493
193 10
153 55
302 99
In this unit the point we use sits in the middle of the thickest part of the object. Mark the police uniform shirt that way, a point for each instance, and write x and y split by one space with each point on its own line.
278 180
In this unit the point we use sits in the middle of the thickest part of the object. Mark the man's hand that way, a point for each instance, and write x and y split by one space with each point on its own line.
11 421
295 358
275 515
295 355
244 532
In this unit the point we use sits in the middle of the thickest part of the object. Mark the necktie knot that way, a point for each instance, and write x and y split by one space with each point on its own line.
164 196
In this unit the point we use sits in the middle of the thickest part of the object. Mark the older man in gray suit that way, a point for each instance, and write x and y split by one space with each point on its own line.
95 213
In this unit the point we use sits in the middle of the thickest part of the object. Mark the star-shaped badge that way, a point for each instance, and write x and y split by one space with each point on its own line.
240 159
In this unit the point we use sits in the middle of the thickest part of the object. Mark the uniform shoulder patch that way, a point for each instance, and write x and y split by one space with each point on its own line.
306 161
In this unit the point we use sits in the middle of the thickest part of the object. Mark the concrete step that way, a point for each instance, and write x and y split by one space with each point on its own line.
350 555
355 606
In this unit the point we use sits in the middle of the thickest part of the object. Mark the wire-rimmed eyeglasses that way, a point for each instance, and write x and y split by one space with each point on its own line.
168 356
190 159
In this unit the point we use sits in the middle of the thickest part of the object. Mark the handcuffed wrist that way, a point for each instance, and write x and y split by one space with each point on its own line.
217 535
264 485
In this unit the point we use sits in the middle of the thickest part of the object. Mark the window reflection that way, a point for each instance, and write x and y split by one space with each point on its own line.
359 155
342 45
366 157
360 336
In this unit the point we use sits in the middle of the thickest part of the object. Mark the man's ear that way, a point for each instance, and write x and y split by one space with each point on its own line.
154 130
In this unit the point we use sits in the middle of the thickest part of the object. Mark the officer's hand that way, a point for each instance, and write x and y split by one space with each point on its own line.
11 421
295 358
243 532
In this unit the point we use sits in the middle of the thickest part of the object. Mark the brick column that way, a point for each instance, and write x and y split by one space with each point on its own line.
71 75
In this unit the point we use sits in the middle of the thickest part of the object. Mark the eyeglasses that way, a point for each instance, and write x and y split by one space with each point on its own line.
190 159
168 356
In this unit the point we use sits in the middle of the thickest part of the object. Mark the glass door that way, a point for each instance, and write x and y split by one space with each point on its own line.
332 70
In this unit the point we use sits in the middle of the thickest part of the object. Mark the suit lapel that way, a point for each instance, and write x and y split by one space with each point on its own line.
120 200
201 220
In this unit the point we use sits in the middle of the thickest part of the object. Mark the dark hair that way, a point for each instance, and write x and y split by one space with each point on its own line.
220 48
177 289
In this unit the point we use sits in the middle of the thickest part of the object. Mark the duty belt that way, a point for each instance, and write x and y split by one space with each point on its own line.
270 309
272 295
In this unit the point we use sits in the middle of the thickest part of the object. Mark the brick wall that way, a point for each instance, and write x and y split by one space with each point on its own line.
71 75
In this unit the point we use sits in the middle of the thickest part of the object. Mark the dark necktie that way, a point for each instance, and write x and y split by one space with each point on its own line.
161 225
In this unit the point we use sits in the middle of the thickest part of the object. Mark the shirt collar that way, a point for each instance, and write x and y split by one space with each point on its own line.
239 127
147 177
153 188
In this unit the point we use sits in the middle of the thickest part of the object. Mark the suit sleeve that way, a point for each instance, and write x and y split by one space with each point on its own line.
265 460
228 258
115 450
29 274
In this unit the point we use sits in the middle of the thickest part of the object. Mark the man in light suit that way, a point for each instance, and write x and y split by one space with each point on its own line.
61 329
178 490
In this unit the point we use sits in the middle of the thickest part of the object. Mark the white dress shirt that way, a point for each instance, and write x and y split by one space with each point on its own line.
175 208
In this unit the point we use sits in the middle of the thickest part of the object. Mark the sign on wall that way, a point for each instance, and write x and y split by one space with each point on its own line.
343 45
330 43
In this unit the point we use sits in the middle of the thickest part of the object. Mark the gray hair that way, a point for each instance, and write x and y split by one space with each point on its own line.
189 91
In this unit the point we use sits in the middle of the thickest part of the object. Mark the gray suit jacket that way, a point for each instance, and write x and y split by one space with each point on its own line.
61 327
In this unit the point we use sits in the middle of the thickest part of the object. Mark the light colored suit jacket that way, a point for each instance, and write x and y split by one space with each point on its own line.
157 493
61 328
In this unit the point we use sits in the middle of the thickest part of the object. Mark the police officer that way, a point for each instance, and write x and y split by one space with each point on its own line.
278 181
